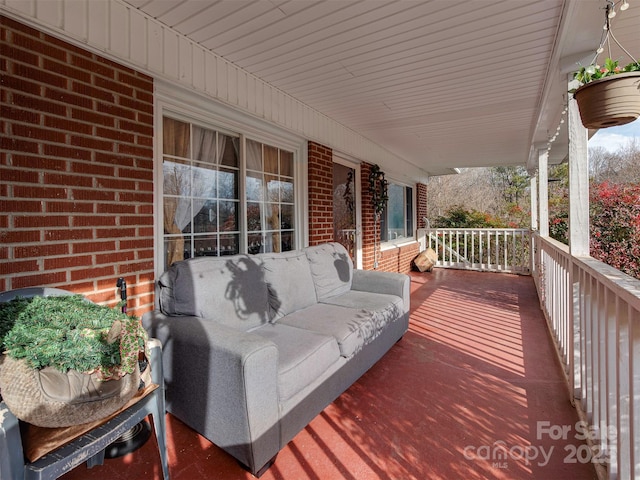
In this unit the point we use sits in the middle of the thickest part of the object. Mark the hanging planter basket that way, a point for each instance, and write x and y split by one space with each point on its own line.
609 101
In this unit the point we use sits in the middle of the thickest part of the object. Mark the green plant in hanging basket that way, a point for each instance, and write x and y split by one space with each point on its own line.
70 333
610 68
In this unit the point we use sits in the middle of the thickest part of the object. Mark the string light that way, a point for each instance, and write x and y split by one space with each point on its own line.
624 5
557 132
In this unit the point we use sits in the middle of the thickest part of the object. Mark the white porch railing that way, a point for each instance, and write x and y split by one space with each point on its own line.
486 249
593 312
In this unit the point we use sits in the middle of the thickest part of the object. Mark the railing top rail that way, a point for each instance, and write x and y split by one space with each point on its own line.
623 285
432 229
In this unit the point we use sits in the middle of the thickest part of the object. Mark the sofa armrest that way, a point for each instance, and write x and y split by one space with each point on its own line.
222 382
398 284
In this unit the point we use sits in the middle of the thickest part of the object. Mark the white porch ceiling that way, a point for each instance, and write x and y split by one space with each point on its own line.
443 84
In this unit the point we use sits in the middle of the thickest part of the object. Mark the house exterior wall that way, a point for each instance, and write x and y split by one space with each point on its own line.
77 173
76 170
320 188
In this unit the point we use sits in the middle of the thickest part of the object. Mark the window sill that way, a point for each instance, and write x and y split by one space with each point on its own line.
397 244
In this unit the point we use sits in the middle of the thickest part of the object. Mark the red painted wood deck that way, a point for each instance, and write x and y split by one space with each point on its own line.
473 391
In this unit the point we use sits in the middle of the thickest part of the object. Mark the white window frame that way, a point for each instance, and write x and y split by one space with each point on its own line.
194 108
411 237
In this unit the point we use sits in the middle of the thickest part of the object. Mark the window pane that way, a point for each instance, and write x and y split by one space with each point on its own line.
229 244
229 216
228 184
273 221
286 163
203 183
175 138
255 243
273 188
254 155
286 191
286 217
205 246
254 216
270 159
230 150
204 145
206 220
255 190
176 178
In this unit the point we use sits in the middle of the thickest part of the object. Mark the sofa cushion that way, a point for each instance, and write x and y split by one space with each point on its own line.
303 356
331 268
230 290
289 282
353 328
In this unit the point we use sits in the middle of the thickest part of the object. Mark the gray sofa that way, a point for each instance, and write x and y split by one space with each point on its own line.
255 346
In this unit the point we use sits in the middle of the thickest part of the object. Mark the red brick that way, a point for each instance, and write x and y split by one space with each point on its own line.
46 77
22 206
92 143
91 247
93 195
115 208
38 133
69 207
91 65
14 175
66 152
136 127
40 221
41 250
39 104
57 263
22 236
31 191
39 162
140 81
19 84
115 232
19 266
114 86
43 278
94 221
117 135
31 43
67 179
135 151
93 168
134 267
86 273
68 125
136 197
67 71
115 257
93 117
116 111
19 145
67 235
113 159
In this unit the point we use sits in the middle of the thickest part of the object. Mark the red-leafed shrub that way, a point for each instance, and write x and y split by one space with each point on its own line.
615 226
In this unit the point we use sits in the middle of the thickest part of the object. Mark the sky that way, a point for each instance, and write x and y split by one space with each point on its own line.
615 138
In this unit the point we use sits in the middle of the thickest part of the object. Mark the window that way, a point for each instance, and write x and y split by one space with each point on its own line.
270 207
397 219
204 212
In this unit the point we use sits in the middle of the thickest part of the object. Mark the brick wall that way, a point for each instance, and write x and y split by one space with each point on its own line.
76 170
320 194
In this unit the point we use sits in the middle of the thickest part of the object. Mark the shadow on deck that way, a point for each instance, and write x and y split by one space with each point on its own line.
473 391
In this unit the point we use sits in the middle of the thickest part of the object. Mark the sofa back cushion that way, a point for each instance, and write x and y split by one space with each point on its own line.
331 268
289 282
230 290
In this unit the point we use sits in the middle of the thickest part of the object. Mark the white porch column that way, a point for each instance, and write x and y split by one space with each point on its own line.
543 188
578 183
534 201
